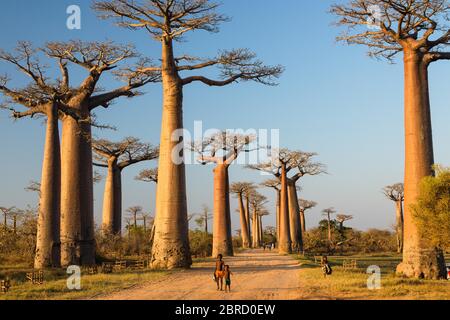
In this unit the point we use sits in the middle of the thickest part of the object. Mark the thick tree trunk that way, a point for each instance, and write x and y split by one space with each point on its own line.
255 233
112 200
284 242
399 225
48 245
303 221
294 217
117 227
247 216
420 260
261 231
171 241
329 230
244 226
222 237
278 214
77 199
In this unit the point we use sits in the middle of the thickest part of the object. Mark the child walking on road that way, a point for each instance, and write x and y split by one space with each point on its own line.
227 277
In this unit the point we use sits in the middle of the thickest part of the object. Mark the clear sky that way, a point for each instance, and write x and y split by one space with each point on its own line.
332 100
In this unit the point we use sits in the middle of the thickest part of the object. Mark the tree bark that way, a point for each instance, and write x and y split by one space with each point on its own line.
244 223
329 230
285 245
247 216
261 231
303 221
420 260
255 233
294 217
222 237
48 245
112 200
171 241
399 225
77 212
278 214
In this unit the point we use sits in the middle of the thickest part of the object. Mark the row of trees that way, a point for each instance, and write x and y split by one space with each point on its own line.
66 220
419 30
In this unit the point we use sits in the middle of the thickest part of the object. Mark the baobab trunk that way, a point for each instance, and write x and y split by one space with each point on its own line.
77 212
278 214
285 237
112 200
244 223
247 216
303 221
256 240
399 225
171 243
48 245
294 217
222 237
420 260
329 231
261 232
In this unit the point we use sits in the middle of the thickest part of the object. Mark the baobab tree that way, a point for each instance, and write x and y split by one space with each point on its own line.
133 213
41 98
150 175
6 213
276 185
279 166
396 193
147 220
204 217
296 165
97 59
34 186
167 21
222 149
117 156
251 188
301 165
327 213
341 219
257 203
420 31
261 214
71 173
240 189
305 205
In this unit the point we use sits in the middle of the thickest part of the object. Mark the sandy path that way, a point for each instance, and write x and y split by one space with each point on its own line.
258 275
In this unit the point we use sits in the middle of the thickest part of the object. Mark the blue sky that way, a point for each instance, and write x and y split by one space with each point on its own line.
332 100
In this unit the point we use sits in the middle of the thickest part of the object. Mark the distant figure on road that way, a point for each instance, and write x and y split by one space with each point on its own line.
227 276
326 269
219 272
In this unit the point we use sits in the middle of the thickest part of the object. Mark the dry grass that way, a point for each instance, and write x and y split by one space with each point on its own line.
55 287
353 284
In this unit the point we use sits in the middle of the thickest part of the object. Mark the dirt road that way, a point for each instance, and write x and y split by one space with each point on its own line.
258 275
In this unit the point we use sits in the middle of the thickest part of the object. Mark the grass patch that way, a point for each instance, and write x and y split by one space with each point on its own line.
353 284
55 287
